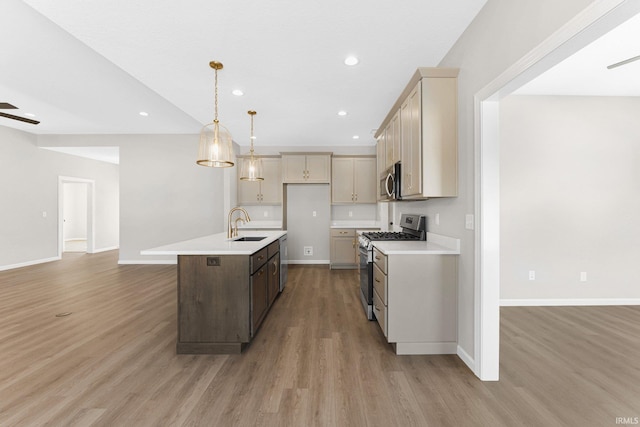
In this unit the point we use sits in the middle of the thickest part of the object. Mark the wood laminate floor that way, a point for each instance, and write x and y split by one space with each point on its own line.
316 360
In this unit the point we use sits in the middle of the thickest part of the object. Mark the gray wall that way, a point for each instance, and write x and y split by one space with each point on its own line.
503 32
570 195
164 196
29 177
303 228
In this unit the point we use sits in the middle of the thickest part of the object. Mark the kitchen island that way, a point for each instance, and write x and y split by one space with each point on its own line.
225 288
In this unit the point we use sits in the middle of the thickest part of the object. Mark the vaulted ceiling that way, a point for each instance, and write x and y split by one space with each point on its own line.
86 67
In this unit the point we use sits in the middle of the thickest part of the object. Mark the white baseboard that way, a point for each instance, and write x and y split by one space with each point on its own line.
28 263
151 261
407 348
568 302
308 262
468 360
110 248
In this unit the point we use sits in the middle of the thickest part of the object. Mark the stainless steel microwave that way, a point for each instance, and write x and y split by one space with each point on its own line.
390 183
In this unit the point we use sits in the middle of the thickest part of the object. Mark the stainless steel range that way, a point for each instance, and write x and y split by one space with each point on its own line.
413 228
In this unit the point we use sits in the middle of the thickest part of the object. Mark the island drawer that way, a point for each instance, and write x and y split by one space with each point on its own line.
273 249
259 259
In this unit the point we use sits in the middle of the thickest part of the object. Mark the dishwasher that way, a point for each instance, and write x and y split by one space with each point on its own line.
283 262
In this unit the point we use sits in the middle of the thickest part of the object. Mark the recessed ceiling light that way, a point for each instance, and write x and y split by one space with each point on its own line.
342 113
29 114
237 92
356 137
143 113
351 60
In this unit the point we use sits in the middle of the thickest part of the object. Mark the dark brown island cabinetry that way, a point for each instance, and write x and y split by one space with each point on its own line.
223 299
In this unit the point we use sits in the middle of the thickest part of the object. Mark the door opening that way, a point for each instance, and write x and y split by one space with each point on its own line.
76 215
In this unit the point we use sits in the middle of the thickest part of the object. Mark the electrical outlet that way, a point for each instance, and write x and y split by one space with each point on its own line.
350 213
44 214
532 275
266 214
583 276
308 250
314 213
437 219
468 222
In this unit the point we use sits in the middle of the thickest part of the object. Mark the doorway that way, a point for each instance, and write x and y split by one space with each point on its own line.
76 215
594 22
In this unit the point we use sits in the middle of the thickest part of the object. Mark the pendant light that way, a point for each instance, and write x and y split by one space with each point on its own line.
252 165
216 143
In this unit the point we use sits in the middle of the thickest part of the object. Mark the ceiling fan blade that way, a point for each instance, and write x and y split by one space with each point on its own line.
7 106
22 119
625 62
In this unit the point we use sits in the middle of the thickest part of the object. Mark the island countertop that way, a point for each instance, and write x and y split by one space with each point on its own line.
218 244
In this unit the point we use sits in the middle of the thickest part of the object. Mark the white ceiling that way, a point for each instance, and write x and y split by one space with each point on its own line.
87 67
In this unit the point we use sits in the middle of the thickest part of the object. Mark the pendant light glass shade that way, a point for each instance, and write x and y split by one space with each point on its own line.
216 144
252 165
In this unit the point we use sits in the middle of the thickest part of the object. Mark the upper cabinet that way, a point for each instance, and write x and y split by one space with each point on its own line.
353 180
306 168
427 134
392 131
265 192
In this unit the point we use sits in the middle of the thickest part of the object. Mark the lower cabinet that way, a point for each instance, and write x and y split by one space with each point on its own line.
259 298
415 301
223 299
344 247
344 252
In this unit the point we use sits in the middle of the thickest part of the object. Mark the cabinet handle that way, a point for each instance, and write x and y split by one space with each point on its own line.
261 272
343 232
275 268
378 258
377 280
260 258
376 308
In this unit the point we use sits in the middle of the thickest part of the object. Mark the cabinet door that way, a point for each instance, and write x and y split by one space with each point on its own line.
259 294
396 132
318 168
411 139
380 155
388 144
248 191
294 168
342 190
365 180
342 250
271 187
274 278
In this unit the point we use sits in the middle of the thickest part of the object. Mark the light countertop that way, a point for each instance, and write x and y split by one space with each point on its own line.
262 225
435 244
217 244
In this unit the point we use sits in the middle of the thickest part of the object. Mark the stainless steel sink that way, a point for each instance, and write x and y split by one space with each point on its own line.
249 239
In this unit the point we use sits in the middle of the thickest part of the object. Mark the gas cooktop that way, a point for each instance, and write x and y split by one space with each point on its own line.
390 235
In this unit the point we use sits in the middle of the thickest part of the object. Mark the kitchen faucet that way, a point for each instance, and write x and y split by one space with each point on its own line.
232 228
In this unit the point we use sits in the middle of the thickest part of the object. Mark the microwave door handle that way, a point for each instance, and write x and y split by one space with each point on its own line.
390 177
